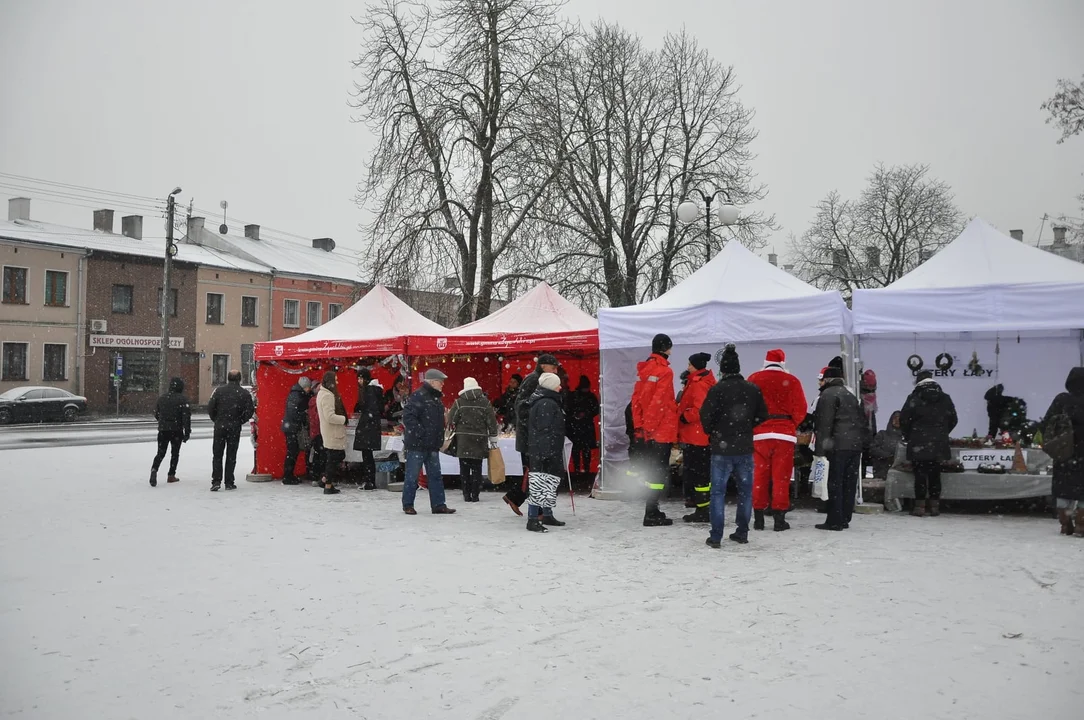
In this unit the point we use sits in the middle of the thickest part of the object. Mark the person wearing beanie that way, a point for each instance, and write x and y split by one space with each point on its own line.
583 408
544 363
774 440
423 436
229 408
732 409
474 422
838 426
655 424
546 446
294 422
696 453
174 415
926 421
369 407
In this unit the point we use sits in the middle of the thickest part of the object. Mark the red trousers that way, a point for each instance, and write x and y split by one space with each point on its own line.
773 464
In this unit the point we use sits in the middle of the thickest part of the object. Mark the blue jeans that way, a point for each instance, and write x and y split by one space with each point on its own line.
722 466
414 461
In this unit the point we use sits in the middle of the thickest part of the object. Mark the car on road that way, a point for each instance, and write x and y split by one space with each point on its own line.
37 404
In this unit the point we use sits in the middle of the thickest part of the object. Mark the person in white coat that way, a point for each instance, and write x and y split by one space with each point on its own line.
332 412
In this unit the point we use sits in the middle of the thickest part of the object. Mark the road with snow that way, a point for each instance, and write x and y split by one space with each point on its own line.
95 432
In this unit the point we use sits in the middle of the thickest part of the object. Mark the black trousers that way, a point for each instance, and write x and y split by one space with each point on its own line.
470 475
581 456
292 451
697 475
517 494
368 467
171 441
927 479
656 473
843 470
226 439
334 469
315 461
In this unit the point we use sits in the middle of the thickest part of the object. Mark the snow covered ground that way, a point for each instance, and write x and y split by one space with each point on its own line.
122 601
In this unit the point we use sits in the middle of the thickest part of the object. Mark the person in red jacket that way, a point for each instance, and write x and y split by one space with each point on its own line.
655 423
774 439
694 441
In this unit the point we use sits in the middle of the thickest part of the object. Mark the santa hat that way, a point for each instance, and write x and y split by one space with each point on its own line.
820 375
775 357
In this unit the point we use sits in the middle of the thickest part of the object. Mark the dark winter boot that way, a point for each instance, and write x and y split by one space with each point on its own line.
919 508
758 519
331 490
552 521
780 518
935 507
535 525
653 517
173 479
154 478
700 515
739 538
1066 519
370 485
215 487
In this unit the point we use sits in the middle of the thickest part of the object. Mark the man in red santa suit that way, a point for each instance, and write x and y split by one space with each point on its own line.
774 439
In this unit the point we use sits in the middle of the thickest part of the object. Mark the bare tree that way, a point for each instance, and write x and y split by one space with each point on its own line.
634 130
447 92
902 218
1066 108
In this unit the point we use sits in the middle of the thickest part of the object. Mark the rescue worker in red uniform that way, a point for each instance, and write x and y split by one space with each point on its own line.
655 424
694 441
775 438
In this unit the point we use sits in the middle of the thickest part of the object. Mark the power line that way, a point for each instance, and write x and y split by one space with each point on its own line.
71 195
83 188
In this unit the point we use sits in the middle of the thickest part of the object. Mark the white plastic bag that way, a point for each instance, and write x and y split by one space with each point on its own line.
818 477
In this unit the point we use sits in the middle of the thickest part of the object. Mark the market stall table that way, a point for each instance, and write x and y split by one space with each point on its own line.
974 485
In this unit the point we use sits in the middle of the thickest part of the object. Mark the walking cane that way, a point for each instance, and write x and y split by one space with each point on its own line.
571 496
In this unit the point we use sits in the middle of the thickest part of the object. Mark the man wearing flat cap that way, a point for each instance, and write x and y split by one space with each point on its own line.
423 423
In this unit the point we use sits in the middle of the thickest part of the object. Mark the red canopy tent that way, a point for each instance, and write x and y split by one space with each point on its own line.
373 331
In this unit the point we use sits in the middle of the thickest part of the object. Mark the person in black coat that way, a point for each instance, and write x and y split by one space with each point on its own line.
583 408
295 420
506 403
1068 479
367 432
229 408
546 363
840 430
883 448
733 407
174 415
423 436
926 421
546 445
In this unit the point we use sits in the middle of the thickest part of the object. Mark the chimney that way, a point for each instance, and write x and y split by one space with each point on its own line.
1017 235
103 220
789 268
773 259
195 230
18 209
1059 236
132 226
325 244
252 232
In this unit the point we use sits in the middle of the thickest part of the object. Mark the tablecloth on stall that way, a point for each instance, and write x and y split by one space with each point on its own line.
972 486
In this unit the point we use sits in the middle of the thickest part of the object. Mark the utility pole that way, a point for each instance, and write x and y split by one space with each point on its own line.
164 305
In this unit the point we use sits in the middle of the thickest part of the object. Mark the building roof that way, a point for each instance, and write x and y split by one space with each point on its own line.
286 257
62 236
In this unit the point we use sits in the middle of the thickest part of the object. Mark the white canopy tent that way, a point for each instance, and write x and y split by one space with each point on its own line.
997 310
736 297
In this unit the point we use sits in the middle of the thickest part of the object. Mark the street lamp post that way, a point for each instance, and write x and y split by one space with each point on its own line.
688 211
164 304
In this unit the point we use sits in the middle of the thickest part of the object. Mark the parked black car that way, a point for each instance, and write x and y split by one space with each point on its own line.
35 404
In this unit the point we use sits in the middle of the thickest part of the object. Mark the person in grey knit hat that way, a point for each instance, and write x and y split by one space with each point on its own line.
295 420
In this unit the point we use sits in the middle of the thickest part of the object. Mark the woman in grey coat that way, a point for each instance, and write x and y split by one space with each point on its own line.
475 424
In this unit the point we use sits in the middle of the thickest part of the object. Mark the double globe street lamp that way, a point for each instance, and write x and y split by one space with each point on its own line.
727 213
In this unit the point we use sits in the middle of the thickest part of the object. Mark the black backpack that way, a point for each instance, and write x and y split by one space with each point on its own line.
1058 441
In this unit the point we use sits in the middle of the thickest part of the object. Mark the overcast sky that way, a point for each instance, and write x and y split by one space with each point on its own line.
246 101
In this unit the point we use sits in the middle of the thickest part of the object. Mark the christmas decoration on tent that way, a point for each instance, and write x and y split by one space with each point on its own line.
974 366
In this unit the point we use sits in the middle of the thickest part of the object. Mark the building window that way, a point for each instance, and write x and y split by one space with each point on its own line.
56 288
291 312
249 305
172 302
214 308
15 361
122 299
140 371
313 310
248 365
334 310
220 368
14 285
55 364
